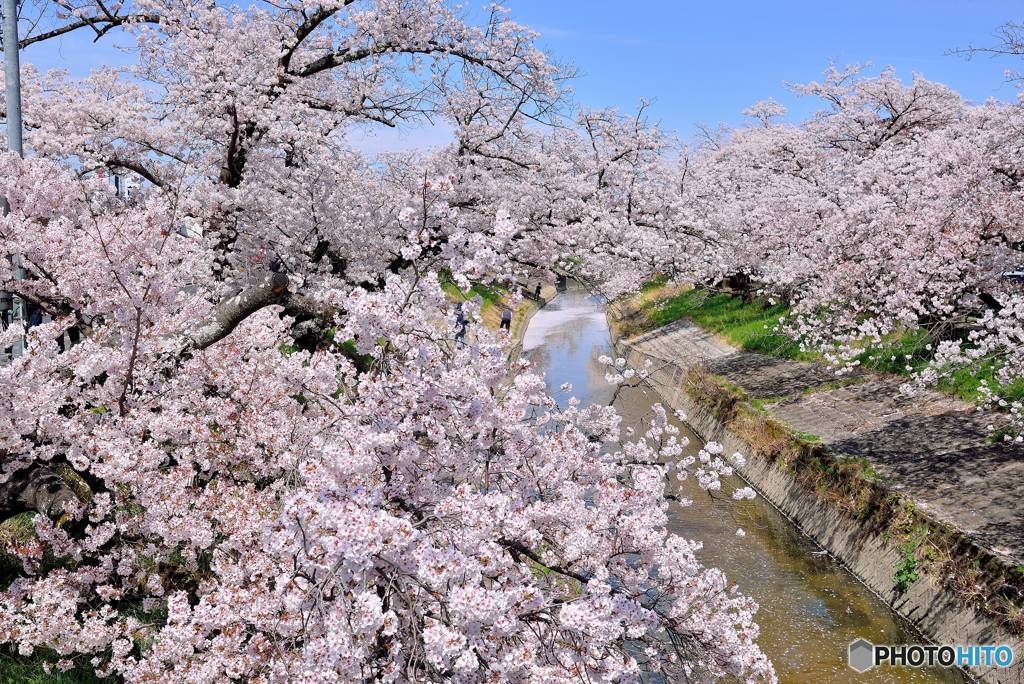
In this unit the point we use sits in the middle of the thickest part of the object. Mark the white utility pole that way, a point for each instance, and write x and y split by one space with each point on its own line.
12 75
12 79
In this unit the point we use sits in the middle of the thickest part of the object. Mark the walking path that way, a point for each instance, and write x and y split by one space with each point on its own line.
932 447
519 325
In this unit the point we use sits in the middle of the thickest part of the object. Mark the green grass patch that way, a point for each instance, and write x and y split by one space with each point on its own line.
747 326
966 382
750 326
653 285
21 670
492 295
910 352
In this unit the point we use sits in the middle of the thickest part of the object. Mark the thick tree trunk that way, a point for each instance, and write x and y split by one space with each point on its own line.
36 488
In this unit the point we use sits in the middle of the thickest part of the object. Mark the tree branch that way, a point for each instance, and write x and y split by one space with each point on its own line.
349 56
235 309
521 549
139 169
111 22
307 27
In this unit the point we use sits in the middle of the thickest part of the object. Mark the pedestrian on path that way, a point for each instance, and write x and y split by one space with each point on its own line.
460 327
537 295
506 319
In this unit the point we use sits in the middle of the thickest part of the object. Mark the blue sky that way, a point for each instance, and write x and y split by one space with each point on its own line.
706 61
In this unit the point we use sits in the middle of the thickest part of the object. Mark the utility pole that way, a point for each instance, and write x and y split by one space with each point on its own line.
12 80
12 75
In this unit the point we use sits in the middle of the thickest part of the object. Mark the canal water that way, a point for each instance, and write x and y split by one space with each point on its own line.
811 608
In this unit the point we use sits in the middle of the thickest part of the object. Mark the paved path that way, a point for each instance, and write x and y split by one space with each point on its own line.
932 447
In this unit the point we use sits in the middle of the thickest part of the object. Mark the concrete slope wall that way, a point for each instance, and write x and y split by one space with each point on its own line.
934 611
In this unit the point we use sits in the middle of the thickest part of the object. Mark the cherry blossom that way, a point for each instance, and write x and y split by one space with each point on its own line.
264 458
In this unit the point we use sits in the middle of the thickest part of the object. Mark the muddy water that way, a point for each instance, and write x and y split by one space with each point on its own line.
811 607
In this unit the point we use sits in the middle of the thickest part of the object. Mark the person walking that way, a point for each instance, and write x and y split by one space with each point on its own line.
460 327
506 319
537 294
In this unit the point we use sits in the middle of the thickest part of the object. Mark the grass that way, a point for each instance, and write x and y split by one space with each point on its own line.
494 298
746 326
491 295
749 326
967 381
20 670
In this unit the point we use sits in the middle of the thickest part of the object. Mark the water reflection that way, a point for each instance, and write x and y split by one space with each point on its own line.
811 608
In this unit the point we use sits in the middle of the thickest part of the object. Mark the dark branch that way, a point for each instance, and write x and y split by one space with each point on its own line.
239 306
109 23
349 56
139 169
307 27
521 549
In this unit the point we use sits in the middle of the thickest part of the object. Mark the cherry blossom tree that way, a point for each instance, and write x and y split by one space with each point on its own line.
606 195
894 210
393 510
285 471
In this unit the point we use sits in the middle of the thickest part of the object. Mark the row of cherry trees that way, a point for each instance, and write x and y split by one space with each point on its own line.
293 475
897 209
894 210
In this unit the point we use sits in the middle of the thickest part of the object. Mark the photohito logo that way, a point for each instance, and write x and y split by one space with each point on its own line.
864 655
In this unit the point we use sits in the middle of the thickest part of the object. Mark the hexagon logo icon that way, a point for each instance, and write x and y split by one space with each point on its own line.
861 655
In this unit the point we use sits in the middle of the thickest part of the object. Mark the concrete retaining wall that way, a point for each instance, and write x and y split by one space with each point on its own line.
934 611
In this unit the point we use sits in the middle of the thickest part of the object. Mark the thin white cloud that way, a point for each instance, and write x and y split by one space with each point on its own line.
382 139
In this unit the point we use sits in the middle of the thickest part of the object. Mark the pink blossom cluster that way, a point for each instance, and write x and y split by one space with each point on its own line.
276 516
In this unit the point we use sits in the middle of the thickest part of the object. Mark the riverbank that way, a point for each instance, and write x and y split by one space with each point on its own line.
748 324
868 484
811 607
522 319
494 301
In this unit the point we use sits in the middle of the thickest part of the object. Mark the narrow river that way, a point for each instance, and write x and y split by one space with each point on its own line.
811 607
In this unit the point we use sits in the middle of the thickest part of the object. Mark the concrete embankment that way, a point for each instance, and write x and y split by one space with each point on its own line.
865 546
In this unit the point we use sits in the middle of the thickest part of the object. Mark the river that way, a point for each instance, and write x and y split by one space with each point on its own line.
811 607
